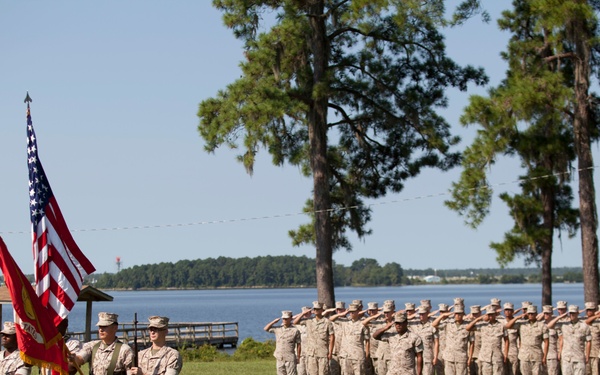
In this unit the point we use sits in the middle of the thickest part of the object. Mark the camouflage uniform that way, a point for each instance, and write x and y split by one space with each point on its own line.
512 363
100 363
335 364
301 368
491 354
374 349
531 352
352 350
286 340
403 349
318 332
595 351
456 353
439 366
575 336
12 364
552 363
429 336
166 361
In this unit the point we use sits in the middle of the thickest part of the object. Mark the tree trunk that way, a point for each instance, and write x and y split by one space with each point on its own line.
317 133
548 197
581 35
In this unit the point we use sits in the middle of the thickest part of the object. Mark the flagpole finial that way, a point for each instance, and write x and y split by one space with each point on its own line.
27 98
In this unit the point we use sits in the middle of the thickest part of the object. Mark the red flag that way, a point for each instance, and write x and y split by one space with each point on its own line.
39 341
60 266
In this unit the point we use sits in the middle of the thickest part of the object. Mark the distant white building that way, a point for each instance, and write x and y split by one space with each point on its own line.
432 279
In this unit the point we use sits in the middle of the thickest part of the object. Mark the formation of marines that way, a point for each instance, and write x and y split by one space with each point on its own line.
106 356
496 339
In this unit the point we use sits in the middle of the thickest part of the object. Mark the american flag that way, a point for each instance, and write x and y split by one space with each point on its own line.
59 264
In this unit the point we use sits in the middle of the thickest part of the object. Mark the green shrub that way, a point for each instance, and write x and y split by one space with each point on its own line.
204 353
250 349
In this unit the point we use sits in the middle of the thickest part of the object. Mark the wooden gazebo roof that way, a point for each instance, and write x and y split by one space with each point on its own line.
88 295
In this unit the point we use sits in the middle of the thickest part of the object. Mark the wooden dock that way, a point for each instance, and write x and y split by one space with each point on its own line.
181 335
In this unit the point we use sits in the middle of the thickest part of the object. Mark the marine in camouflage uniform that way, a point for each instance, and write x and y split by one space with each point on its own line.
594 324
305 314
494 342
476 343
334 365
375 321
574 344
534 336
456 352
107 356
552 363
382 352
288 347
429 337
354 349
10 358
511 367
405 346
320 339
159 359
439 365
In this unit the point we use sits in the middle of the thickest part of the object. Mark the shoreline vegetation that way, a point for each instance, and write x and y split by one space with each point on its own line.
268 272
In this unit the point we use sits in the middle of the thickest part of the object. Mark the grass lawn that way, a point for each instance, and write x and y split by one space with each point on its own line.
255 367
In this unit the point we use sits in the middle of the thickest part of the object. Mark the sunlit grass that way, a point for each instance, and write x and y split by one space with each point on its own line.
255 367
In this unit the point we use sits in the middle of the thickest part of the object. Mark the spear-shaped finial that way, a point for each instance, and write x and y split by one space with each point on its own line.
27 98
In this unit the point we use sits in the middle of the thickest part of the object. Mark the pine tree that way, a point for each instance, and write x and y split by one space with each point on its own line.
347 91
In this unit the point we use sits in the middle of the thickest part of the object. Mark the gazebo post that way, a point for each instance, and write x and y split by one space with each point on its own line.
88 321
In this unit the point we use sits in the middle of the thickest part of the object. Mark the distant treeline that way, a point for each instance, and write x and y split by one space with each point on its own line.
267 271
294 271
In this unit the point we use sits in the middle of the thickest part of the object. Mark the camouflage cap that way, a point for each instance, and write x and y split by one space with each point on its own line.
340 305
422 310
547 309
561 304
400 317
286 314
158 322
317 305
409 306
9 329
590 306
372 306
574 309
107 319
532 309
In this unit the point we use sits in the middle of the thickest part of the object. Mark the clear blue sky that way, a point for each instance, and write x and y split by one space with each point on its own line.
116 87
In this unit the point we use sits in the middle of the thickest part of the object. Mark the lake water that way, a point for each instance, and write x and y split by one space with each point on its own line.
254 308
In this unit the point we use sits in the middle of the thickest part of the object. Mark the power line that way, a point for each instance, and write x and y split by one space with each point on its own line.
278 216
